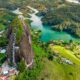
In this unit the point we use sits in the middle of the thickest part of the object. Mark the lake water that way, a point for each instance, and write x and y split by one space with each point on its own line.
47 33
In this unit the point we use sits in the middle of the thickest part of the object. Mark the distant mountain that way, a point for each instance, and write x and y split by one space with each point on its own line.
15 3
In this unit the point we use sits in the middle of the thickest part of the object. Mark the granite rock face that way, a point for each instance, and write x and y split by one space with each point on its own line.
22 50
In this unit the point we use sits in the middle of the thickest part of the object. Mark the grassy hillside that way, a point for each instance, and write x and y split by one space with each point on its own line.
55 71
45 69
66 53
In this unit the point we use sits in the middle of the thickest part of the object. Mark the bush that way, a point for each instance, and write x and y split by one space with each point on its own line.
2 58
3 41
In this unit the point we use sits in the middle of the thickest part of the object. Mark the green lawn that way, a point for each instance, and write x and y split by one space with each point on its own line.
66 53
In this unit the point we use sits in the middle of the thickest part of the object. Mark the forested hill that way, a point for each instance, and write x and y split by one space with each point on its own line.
11 4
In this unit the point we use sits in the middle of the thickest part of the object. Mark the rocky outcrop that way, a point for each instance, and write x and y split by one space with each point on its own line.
26 50
23 50
25 46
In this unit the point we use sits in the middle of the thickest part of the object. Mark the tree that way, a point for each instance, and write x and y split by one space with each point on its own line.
21 66
50 56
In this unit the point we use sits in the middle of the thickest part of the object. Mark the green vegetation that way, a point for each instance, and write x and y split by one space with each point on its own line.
45 69
47 65
17 29
3 41
48 68
54 70
32 74
21 66
2 27
2 58
65 17
66 53
5 17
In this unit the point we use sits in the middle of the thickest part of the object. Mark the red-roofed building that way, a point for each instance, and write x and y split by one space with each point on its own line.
3 77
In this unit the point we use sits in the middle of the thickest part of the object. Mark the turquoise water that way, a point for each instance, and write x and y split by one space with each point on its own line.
47 33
